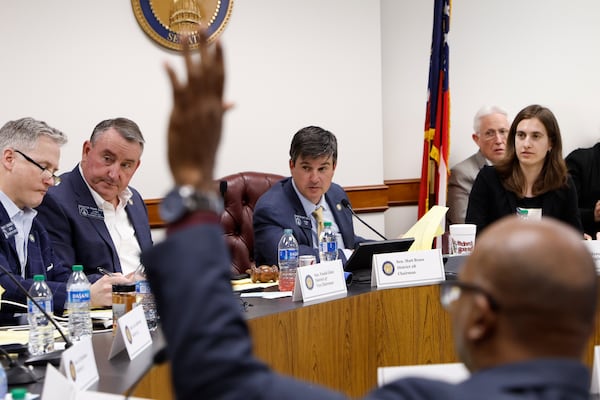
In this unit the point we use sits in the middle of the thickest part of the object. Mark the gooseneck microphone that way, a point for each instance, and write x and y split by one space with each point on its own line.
54 356
346 204
17 374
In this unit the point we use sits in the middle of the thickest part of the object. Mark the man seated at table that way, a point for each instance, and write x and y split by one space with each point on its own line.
29 161
522 308
94 218
295 202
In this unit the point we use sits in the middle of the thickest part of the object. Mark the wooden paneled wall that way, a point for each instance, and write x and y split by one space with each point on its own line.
364 199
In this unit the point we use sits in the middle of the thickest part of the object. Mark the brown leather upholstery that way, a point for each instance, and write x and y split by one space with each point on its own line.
239 197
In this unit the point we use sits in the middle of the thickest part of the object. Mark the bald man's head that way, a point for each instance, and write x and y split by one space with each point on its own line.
544 280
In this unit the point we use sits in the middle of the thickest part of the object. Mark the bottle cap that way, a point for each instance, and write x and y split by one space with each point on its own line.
327 223
123 288
18 393
287 231
77 267
39 278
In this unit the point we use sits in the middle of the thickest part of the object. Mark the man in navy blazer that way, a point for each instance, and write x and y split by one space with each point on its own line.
522 312
290 202
93 217
30 150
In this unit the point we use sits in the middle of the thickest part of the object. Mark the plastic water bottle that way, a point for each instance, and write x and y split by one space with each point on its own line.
41 330
78 298
287 251
327 244
3 382
145 298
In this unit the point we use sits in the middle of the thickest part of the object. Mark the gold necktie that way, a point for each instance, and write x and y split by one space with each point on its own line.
318 214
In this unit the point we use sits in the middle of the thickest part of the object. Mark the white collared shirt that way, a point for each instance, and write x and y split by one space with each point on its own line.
23 220
120 228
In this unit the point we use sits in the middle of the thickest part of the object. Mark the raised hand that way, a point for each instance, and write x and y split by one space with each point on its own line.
197 115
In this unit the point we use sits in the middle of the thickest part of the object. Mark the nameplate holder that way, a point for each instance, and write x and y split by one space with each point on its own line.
320 281
132 334
407 268
594 248
79 364
595 386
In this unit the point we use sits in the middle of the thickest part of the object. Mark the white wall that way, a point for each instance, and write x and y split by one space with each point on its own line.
356 67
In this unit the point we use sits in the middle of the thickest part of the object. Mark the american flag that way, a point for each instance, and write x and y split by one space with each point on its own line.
436 147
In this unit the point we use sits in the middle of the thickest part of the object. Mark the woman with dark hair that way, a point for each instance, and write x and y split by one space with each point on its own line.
531 181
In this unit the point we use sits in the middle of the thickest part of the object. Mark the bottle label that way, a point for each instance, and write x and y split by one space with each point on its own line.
328 247
142 287
288 254
45 304
79 296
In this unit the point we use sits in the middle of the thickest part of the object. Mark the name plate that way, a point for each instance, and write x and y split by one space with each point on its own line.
79 364
132 334
320 281
407 268
594 248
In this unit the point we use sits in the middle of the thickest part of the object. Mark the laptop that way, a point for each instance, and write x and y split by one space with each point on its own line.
362 257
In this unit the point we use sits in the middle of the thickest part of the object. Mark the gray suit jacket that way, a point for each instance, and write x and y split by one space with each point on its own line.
462 176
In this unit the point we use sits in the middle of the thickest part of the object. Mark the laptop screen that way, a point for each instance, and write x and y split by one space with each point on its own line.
362 257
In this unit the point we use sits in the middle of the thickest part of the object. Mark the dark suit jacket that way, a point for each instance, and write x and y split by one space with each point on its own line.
490 201
83 239
211 352
584 167
278 209
40 261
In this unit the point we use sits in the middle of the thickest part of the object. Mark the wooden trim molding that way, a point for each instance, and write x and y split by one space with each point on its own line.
364 199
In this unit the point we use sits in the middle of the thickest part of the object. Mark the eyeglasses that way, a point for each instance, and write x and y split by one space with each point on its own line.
46 174
452 290
492 133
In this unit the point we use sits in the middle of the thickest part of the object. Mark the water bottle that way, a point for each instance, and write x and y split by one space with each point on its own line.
3 382
78 298
328 244
144 297
287 251
41 330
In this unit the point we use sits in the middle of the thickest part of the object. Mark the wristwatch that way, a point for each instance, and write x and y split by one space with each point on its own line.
183 200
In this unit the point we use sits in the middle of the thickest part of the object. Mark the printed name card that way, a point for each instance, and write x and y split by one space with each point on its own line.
594 248
320 281
407 268
79 364
594 388
132 334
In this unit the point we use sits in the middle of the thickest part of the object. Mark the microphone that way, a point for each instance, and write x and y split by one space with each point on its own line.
54 356
17 374
346 204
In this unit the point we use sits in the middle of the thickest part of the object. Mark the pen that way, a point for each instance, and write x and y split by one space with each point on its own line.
104 272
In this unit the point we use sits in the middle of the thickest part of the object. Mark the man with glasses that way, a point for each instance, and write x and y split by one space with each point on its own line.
94 217
522 308
491 129
29 161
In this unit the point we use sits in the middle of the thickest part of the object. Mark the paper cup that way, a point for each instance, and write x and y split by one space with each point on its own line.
307 260
462 238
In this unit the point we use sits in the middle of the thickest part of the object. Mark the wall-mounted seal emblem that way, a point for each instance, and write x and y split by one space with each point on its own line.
165 20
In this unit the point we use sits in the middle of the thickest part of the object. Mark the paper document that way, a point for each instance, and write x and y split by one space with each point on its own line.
427 228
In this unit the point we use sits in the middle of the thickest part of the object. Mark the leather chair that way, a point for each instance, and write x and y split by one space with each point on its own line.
240 193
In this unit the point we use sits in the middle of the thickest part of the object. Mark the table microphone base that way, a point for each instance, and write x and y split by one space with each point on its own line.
43 359
20 375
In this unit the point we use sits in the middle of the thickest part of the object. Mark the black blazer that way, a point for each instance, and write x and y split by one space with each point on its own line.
490 201
584 167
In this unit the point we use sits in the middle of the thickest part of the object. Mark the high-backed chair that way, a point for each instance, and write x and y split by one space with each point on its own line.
240 193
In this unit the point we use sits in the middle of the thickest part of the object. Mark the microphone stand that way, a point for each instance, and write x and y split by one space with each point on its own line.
16 373
346 204
54 356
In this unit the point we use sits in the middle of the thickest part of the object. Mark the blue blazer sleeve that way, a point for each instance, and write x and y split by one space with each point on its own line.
209 345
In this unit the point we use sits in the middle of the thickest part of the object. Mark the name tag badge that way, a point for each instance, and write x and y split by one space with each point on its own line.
90 212
9 230
302 221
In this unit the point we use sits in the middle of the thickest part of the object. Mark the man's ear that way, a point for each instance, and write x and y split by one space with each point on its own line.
291 164
482 319
475 138
8 158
